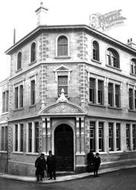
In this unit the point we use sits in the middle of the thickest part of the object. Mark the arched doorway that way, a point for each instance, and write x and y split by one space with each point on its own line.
63 141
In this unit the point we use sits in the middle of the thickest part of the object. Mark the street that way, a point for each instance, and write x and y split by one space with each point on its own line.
119 180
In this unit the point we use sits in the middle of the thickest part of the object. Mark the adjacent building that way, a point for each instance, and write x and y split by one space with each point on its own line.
71 89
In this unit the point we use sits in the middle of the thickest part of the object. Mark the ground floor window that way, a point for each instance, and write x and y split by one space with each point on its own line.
101 136
92 136
18 137
4 138
33 137
134 136
128 137
111 142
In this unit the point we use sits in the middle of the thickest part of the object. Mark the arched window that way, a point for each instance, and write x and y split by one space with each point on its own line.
19 61
33 52
62 46
133 66
95 50
113 58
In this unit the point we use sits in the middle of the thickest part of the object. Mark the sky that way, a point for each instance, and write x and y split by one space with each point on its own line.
20 14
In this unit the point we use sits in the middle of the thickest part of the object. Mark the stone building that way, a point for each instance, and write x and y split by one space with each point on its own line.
71 89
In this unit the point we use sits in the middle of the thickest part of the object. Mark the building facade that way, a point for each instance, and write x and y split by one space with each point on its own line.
71 89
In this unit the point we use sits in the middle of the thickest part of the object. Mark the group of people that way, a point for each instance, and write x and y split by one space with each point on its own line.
42 165
93 163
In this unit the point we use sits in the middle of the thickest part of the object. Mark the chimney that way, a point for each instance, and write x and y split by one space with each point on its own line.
41 13
131 43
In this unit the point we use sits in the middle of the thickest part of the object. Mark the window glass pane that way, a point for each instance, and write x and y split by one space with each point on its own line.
92 136
62 46
92 90
118 138
101 136
63 84
36 137
21 137
128 136
30 137
111 137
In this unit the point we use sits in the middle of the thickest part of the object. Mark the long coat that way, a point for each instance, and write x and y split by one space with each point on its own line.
40 165
51 163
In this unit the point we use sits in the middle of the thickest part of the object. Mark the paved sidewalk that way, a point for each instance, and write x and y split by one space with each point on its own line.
61 178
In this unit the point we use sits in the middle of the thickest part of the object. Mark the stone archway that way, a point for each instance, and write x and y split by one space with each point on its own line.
64 148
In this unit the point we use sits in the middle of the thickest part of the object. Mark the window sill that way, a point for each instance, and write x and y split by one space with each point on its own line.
31 63
4 113
32 153
19 70
132 110
3 151
115 68
17 152
114 108
62 57
96 61
18 109
97 105
32 106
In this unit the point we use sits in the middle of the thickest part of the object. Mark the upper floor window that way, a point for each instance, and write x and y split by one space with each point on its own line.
133 66
62 46
63 84
32 92
33 52
4 138
114 95
95 50
19 97
5 99
19 60
113 58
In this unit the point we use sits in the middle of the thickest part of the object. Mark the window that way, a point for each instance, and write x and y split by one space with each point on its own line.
19 61
95 50
110 94
16 97
134 136
33 137
32 92
130 98
19 97
92 90
117 95
133 66
118 137
63 84
21 137
113 58
100 92
128 137
4 138
5 99
111 144
101 136
36 137
33 52
18 138
62 46
92 136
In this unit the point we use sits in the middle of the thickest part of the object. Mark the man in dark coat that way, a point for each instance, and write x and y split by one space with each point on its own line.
90 161
40 165
51 164
97 162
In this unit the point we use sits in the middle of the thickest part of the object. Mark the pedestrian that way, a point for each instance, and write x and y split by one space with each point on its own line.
90 161
51 164
97 162
40 165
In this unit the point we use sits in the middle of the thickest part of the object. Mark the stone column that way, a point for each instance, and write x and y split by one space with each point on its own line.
44 143
106 137
48 135
33 137
77 136
131 137
82 136
97 136
114 137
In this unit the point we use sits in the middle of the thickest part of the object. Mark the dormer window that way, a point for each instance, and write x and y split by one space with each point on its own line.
113 58
95 50
33 52
19 61
62 46
133 66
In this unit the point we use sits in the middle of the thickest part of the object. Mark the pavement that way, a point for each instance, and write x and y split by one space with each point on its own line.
61 178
